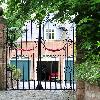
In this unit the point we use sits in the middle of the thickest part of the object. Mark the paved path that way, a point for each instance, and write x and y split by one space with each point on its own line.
37 95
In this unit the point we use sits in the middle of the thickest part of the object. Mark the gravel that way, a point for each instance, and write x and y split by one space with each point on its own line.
37 95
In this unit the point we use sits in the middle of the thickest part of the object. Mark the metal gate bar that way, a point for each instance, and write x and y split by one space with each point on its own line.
26 84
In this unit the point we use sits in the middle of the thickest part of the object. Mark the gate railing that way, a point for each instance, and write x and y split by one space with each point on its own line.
25 74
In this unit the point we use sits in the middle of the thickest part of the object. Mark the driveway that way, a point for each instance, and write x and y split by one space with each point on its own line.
37 95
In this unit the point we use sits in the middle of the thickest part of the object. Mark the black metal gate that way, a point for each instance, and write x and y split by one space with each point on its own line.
43 62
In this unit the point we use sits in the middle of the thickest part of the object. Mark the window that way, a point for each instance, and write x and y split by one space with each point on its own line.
49 33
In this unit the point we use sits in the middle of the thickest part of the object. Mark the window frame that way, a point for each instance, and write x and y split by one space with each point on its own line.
50 34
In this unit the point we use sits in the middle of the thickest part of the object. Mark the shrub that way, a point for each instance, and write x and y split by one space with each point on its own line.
89 70
16 73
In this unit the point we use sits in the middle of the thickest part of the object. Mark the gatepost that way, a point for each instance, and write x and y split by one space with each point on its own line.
2 51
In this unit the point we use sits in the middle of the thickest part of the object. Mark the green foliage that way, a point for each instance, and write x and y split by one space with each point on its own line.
13 34
16 73
98 43
89 29
15 13
1 1
22 9
89 70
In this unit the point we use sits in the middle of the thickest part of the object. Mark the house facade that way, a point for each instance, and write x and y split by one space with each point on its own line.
56 51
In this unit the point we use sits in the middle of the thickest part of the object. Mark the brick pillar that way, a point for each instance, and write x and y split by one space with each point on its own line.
80 90
2 52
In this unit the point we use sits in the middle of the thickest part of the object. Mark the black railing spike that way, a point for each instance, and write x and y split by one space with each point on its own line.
21 47
29 72
39 86
31 28
23 77
60 73
26 35
73 59
55 74
65 66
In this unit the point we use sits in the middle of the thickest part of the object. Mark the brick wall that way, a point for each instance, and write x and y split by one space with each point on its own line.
92 92
2 54
86 91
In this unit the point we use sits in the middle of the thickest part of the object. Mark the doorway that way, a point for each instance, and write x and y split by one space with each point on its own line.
47 68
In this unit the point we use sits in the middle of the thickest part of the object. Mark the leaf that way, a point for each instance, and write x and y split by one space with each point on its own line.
98 43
